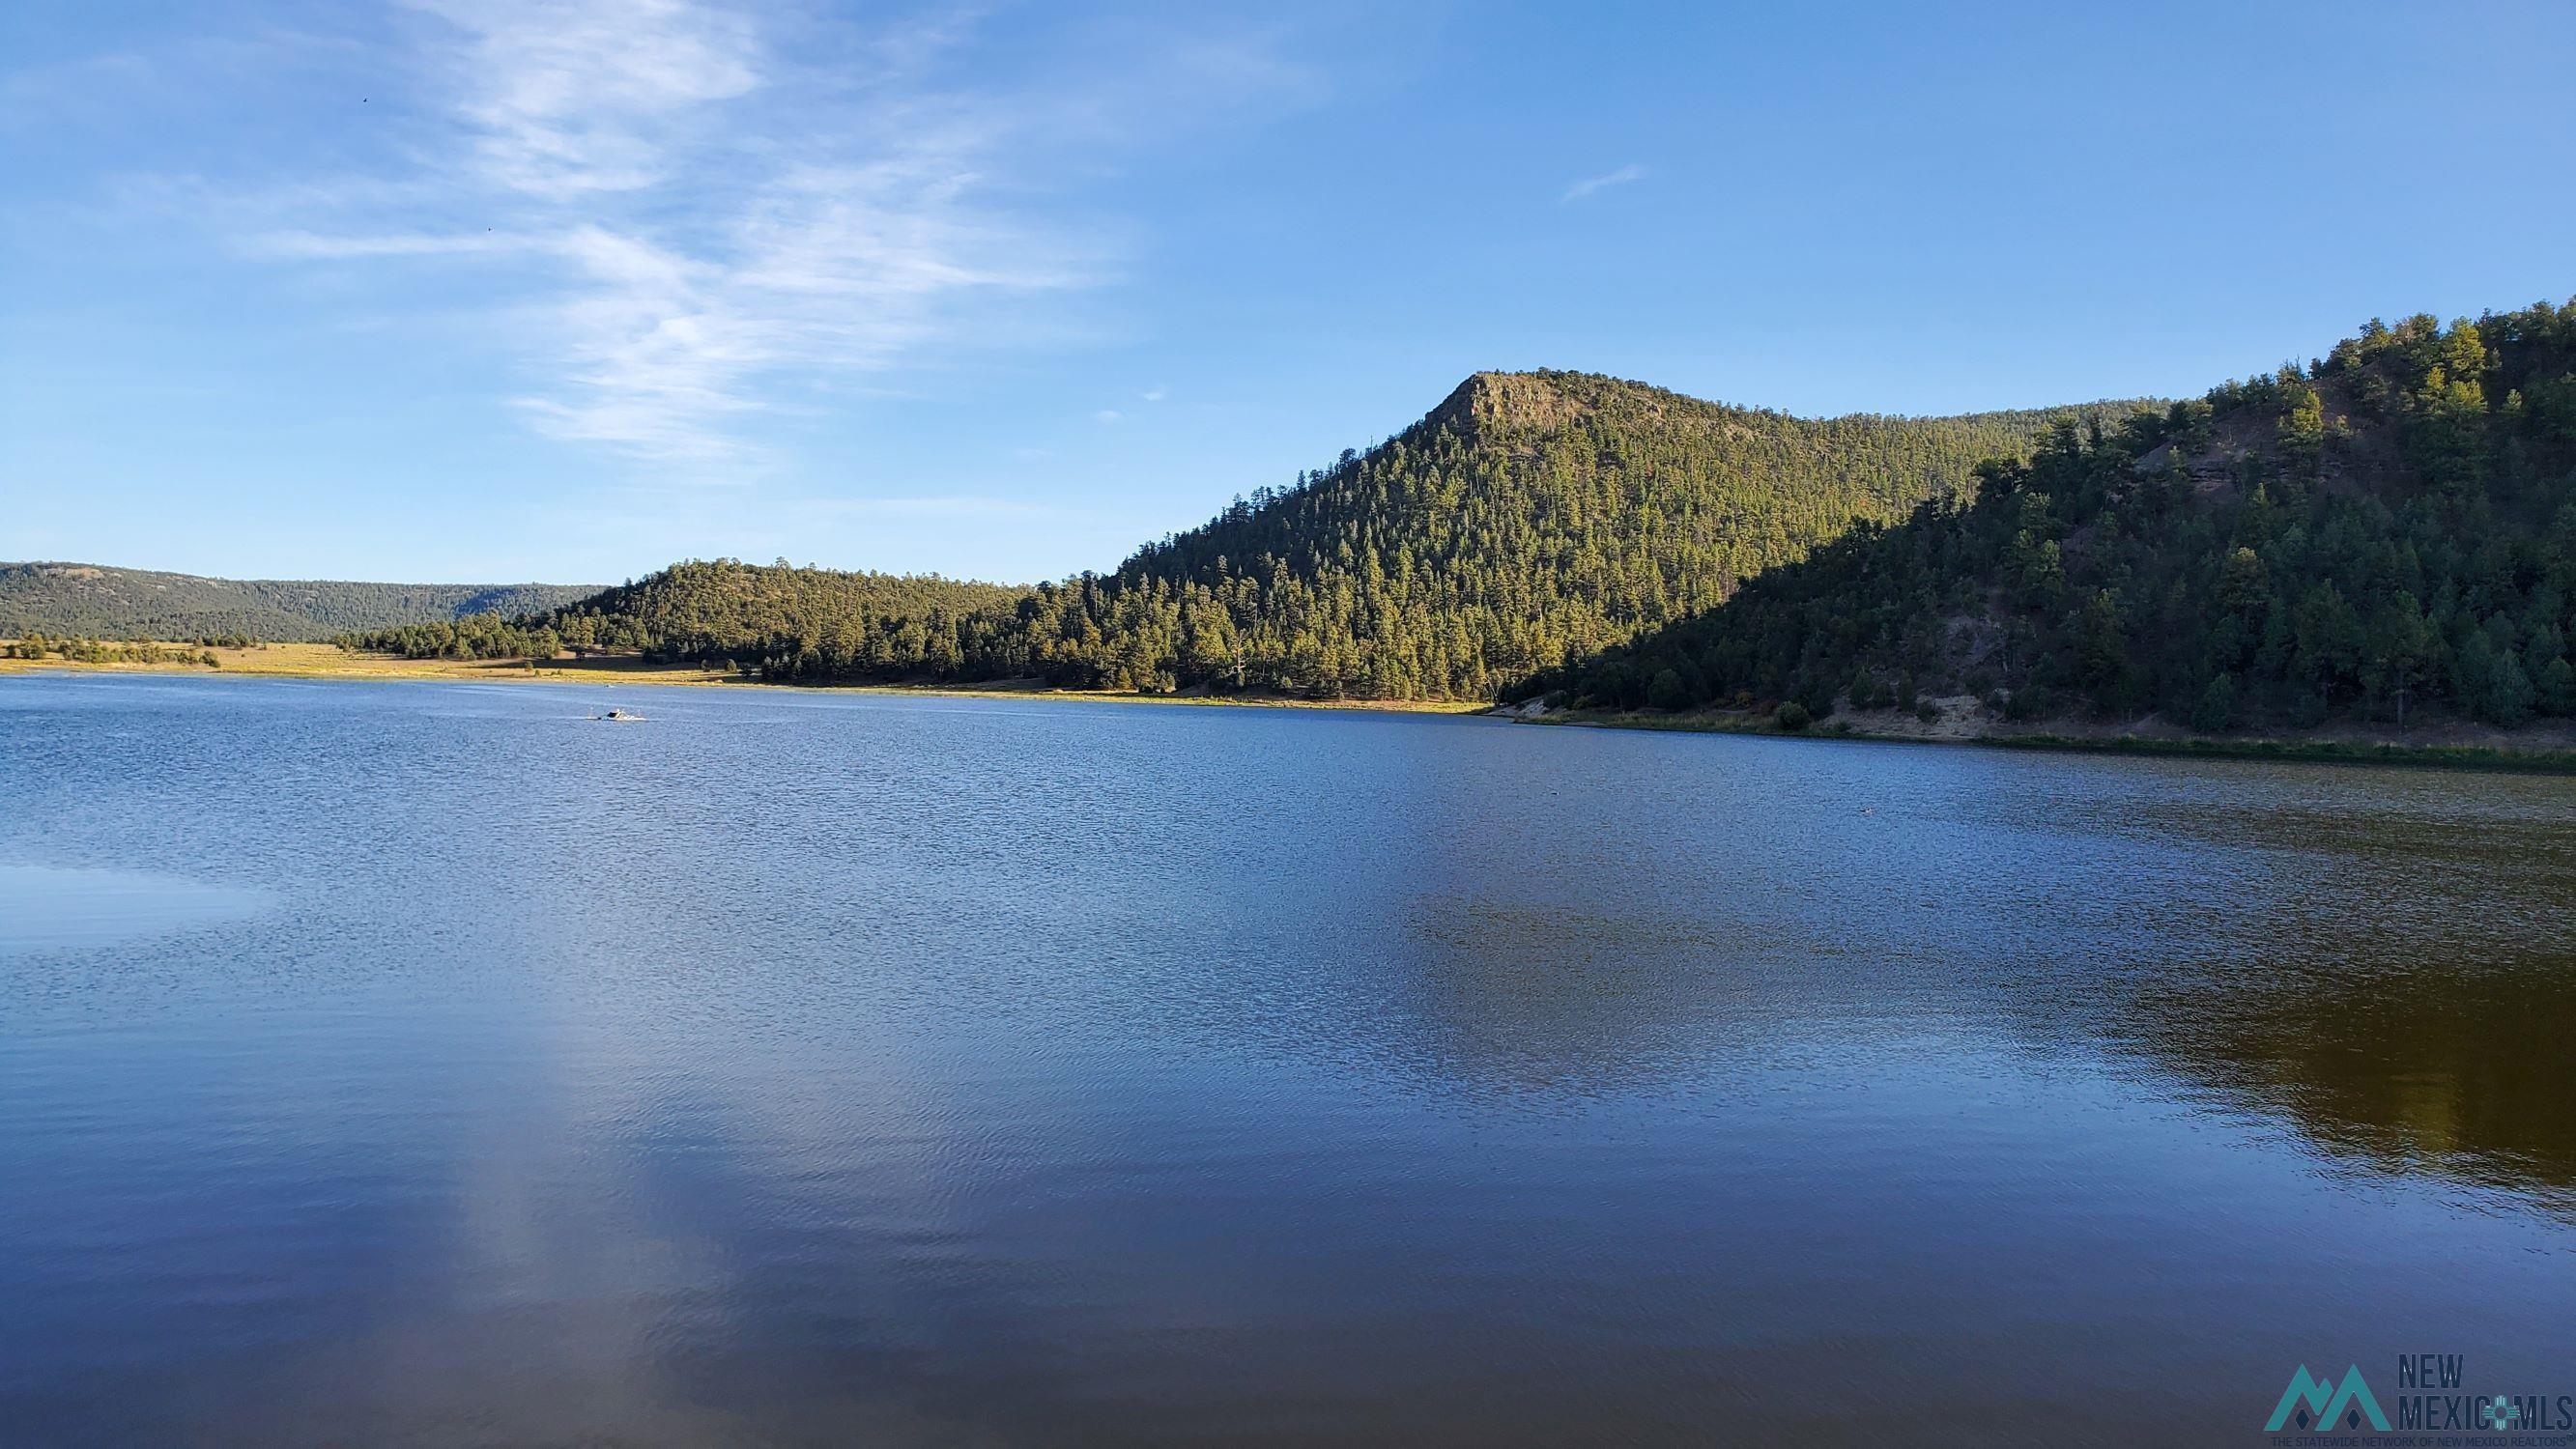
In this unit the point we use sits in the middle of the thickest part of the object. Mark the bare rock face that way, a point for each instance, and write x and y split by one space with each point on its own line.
1506 402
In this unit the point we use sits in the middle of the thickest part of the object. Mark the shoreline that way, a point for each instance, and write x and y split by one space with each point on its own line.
2501 759
327 663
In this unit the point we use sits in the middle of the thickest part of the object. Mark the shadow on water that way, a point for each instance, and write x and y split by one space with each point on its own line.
2435 1067
2395 979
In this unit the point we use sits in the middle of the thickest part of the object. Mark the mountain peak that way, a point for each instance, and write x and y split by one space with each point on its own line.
1505 400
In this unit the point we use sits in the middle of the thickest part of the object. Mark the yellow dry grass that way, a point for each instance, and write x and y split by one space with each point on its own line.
329 661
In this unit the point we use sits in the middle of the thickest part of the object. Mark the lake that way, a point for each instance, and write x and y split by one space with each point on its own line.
425 1063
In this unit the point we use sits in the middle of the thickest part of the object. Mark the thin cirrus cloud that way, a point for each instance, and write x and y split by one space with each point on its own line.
1590 184
700 231
571 97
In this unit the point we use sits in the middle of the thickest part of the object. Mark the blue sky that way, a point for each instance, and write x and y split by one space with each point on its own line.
565 289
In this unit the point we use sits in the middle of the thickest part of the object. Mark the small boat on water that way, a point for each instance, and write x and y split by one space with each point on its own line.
618 716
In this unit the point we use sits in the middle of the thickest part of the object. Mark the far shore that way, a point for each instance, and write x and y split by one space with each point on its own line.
330 662
2441 744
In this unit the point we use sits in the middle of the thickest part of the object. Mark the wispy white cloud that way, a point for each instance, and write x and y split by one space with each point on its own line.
1108 415
706 223
694 229
567 97
297 244
1591 184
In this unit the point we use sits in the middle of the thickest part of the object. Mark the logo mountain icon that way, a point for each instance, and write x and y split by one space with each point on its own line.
2313 1402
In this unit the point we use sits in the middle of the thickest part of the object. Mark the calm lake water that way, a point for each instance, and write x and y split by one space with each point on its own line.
422 1063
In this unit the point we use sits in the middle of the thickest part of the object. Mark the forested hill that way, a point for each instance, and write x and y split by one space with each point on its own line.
1529 518
2390 528
872 623
86 600
727 612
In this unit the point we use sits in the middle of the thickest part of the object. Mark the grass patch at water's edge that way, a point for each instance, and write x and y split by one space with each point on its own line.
330 662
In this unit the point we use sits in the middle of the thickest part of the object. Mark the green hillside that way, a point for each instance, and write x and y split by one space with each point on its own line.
1531 518
87 600
754 616
2391 529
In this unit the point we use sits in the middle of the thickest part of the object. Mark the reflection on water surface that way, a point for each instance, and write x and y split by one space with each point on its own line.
809 1069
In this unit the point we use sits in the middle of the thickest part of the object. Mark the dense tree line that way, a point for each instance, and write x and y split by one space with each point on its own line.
779 621
1531 519
95 602
796 623
476 636
2391 528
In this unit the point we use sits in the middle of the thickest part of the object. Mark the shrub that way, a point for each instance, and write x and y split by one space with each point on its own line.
2029 702
2217 707
1668 692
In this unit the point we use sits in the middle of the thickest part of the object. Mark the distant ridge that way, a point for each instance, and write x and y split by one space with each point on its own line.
96 601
